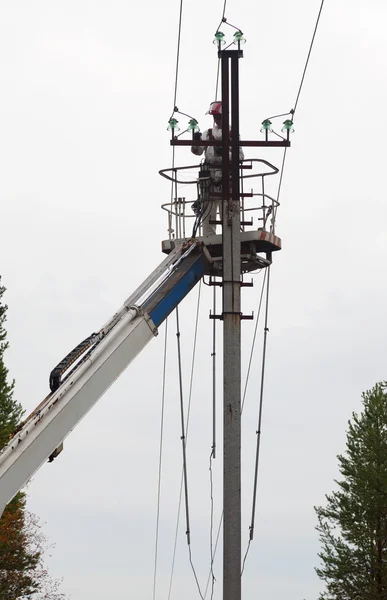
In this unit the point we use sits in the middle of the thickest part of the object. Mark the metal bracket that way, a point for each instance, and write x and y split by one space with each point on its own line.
241 316
241 283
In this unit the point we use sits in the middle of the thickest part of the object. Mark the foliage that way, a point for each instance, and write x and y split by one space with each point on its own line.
10 410
353 524
22 542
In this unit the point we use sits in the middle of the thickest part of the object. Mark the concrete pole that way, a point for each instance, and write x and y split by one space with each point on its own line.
231 332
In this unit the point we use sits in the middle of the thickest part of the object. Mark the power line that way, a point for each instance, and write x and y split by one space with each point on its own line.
213 354
186 428
308 57
213 552
183 439
253 342
177 56
218 67
215 549
160 458
292 112
266 329
211 528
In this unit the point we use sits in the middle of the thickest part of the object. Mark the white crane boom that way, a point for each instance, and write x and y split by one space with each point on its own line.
95 366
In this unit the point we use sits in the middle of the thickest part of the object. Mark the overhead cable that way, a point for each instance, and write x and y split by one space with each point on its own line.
183 439
254 503
184 447
253 342
213 354
177 56
160 458
213 552
292 112
186 434
218 66
308 57
212 555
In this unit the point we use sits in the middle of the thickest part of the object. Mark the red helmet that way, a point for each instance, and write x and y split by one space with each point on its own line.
215 108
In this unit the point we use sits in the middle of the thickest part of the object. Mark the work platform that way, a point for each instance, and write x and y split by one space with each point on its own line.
256 249
257 213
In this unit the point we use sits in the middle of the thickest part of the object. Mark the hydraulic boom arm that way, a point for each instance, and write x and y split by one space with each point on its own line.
96 363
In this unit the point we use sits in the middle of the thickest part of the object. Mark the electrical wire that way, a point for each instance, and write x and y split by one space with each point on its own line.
215 549
187 431
254 503
183 438
213 553
218 67
177 57
292 112
160 458
212 527
213 447
308 57
223 13
213 355
253 342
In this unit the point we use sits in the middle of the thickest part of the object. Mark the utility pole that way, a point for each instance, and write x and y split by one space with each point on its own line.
231 305
231 315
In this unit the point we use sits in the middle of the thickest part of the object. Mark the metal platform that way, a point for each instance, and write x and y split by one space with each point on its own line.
254 244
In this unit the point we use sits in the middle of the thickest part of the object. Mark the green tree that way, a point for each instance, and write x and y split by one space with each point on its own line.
22 542
353 523
10 410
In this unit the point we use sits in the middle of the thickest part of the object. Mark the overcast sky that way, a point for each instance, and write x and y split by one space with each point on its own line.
87 90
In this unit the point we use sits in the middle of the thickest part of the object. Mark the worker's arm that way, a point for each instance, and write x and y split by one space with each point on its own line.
198 150
241 153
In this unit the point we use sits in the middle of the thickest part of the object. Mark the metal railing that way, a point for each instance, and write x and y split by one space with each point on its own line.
183 223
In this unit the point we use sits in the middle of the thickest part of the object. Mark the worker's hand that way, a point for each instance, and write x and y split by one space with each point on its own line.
197 135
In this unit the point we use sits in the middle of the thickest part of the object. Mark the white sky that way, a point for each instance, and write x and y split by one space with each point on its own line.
87 90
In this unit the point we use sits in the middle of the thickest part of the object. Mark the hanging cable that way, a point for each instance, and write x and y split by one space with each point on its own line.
215 549
187 430
253 342
160 458
213 354
218 66
308 57
213 448
177 58
211 574
266 329
293 111
184 448
211 528
183 440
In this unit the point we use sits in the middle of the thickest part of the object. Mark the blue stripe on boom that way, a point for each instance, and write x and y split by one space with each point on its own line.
174 289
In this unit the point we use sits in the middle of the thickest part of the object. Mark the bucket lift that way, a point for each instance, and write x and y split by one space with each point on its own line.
257 214
245 243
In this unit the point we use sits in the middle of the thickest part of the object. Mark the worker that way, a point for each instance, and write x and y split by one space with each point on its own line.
213 159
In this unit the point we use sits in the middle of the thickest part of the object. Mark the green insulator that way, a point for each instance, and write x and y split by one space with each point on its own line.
288 126
172 125
219 38
266 125
193 126
238 37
